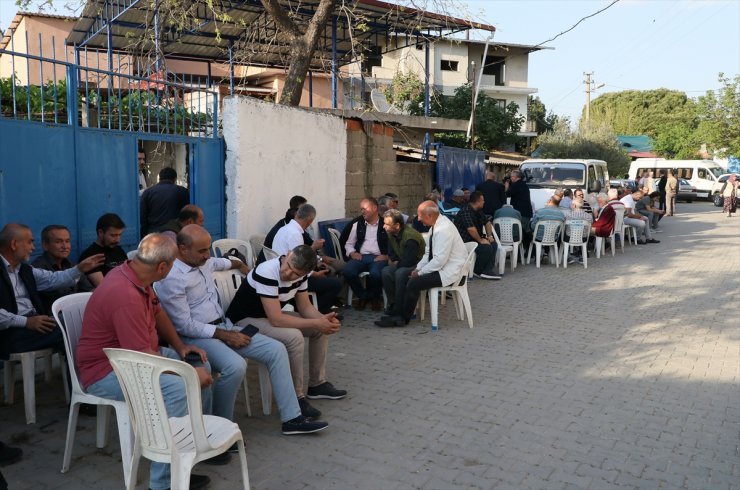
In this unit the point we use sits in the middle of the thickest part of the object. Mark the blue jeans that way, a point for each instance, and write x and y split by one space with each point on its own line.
368 263
175 400
231 366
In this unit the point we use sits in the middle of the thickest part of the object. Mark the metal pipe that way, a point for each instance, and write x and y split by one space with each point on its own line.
477 89
334 84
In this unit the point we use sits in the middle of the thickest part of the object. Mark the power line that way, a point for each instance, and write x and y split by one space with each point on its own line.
575 25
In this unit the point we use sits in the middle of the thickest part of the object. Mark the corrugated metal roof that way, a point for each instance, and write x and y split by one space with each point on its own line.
252 33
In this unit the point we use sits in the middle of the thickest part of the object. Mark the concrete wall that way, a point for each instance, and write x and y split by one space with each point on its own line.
372 169
274 152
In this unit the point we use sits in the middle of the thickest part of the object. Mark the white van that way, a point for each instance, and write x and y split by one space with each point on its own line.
702 174
545 175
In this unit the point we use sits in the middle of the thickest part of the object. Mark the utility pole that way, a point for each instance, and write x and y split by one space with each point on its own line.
590 87
474 96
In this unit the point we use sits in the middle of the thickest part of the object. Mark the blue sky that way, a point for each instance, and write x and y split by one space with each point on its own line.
635 44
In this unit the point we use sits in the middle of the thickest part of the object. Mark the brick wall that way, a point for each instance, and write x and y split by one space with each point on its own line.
372 169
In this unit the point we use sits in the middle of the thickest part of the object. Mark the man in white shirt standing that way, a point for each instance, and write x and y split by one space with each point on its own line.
189 296
367 250
292 235
444 256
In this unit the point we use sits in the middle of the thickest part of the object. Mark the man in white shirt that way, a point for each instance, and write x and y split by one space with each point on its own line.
444 257
635 219
367 250
189 296
289 237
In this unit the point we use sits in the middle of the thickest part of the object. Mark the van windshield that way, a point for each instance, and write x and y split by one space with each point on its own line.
554 174
716 171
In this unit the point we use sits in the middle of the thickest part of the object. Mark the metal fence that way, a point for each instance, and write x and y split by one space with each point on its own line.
127 95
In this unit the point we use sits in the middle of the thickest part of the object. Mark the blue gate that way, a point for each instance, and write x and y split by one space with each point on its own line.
55 171
458 167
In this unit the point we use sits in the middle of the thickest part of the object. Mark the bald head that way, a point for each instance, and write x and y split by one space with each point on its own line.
16 243
190 214
427 213
10 232
194 245
154 249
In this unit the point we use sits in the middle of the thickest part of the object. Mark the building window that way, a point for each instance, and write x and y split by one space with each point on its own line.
448 65
495 66
501 103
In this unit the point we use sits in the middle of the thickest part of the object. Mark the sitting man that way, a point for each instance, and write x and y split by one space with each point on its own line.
293 234
444 257
648 206
259 301
566 200
470 222
162 202
456 202
24 322
124 312
189 296
294 204
405 251
56 241
109 229
508 211
636 220
551 211
603 225
189 214
367 250
393 204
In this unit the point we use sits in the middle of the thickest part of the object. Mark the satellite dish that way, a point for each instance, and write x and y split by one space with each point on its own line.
381 104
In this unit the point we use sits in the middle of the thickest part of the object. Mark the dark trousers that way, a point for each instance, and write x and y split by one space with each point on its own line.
662 203
3 483
414 287
394 285
326 289
485 256
25 340
352 272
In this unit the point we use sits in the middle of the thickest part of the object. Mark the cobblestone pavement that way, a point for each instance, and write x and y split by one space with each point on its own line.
622 375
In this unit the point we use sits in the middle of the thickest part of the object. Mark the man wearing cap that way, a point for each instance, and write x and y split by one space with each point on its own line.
457 201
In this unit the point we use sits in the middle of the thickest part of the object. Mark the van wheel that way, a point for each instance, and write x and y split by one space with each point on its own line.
717 200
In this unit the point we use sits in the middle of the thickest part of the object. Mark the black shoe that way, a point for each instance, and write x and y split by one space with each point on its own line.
391 321
325 390
197 482
307 410
219 460
653 240
641 242
301 425
9 455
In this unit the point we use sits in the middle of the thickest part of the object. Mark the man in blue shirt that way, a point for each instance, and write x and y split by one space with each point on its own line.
549 212
189 296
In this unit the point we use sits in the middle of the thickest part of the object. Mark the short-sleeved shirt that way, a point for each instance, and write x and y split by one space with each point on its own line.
263 282
642 205
113 257
120 314
466 218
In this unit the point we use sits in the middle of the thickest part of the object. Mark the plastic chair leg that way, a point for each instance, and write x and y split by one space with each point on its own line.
265 389
466 302
8 382
74 410
246 396
538 252
103 423
126 438
243 463
584 251
434 307
135 457
28 366
565 255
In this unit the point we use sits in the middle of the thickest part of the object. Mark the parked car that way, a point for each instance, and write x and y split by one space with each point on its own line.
686 191
626 184
717 199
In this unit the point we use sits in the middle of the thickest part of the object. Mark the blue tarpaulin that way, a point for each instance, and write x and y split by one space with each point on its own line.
458 167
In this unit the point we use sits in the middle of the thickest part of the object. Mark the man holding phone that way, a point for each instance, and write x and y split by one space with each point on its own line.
259 301
189 296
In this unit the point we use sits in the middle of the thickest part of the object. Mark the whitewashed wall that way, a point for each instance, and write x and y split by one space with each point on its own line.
274 152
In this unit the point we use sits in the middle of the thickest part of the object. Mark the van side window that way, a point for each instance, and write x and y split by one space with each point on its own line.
591 177
702 174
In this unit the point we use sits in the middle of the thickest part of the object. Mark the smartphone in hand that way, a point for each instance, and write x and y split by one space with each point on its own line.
250 330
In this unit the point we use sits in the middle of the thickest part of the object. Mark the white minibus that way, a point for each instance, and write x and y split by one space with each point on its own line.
544 175
702 174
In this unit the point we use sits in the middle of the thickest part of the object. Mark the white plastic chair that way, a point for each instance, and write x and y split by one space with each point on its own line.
459 289
227 283
131 254
618 224
334 234
180 441
506 235
578 231
550 237
269 253
629 230
220 247
68 312
256 241
28 371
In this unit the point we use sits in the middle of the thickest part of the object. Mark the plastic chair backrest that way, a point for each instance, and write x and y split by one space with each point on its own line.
220 247
68 312
227 283
468 264
334 234
550 230
578 231
269 253
139 377
618 220
256 241
506 229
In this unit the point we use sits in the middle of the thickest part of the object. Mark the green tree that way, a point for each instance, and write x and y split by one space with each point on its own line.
719 116
493 125
679 142
599 143
537 112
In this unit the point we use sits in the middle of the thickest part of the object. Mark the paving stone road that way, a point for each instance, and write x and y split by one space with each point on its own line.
622 375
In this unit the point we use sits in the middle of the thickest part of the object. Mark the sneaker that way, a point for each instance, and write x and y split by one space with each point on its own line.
301 425
572 260
641 242
219 460
9 455
325 390
656 230
653 240
198 482
307 410
488 277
